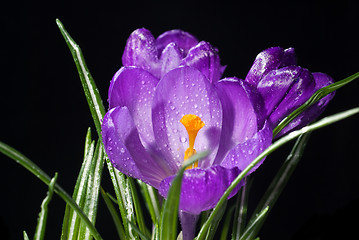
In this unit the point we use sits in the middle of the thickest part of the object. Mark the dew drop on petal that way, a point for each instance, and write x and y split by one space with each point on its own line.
183 139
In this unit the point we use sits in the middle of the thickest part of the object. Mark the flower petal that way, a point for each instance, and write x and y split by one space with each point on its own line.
206 59
134 88
182 39
171 58
124 148
268 60
140 51
309 115
284 90
182 91
202 188
239 116
244 153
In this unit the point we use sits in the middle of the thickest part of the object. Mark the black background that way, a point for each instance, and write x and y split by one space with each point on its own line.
44 113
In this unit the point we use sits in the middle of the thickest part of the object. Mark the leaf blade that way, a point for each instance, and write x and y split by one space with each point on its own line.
41 223
39 173
321 123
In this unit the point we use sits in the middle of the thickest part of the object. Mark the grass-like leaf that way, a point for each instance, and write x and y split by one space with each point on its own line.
227 223
115 217
214 224
240 215
71 223
92 191
34 169
25 235
151 201
138 231
278 183
321 123
98 111
138 209
168 225
247 235
41 222
321 93
92 94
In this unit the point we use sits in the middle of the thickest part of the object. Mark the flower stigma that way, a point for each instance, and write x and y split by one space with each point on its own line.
193 124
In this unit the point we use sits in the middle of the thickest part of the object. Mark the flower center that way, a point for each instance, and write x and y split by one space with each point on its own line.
193 124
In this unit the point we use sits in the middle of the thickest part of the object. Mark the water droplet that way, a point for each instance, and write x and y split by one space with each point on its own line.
183 139
122 150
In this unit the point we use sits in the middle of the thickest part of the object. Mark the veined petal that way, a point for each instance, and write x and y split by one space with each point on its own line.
125 150
268 60
183 40
183 91
206 59
141 51
309 115
239 116
244 153
202 188
284 90
134 88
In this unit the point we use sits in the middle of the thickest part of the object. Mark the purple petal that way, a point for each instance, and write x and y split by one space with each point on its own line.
268 60
182 39
182 91
202 188
134 88
309 115
124 148
284 90
206 59
244 153
239 116
171 58
140 51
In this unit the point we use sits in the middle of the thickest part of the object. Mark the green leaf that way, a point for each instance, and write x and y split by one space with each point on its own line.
91 92
321 93
279 182
241 209
138 209
71 224
34 169
115 217
97 111
92 191
151 200
214 224
321 123
41 222
168 225
227 223
258 218
25 236
138 231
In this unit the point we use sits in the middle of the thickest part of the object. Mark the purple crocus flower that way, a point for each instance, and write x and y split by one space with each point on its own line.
171 49
285 86
159 116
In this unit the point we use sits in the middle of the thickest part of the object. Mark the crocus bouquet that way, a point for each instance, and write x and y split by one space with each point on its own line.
188 138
